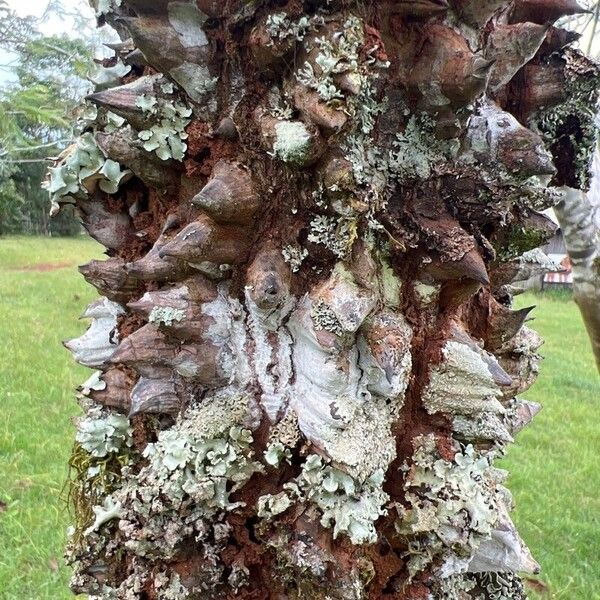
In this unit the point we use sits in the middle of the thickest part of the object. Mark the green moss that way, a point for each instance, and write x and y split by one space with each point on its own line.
91 479
520 240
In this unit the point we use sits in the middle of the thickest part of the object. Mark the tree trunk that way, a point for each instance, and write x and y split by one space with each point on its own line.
308 361
579 217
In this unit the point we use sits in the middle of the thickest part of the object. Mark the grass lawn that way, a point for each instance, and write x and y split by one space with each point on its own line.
554 464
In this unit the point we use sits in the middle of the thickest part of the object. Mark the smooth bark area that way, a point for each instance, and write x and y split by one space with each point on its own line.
314 213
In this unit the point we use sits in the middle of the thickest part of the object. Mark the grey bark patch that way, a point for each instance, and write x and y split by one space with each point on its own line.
187 20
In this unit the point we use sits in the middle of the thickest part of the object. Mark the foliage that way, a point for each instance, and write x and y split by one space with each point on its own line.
36 117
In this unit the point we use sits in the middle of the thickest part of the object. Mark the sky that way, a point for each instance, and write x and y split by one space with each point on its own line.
53 26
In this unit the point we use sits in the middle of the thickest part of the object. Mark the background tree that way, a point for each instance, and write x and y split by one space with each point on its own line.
37 115
308 360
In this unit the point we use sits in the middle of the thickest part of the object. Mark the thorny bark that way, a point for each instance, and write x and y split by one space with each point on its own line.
308 361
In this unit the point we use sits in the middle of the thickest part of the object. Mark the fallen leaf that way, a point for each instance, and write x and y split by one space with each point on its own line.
53 564
3 506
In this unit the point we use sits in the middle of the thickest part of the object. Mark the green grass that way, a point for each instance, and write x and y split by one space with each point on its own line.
554 464
37 379
555 476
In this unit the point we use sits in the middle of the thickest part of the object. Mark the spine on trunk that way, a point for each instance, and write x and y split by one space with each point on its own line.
307 361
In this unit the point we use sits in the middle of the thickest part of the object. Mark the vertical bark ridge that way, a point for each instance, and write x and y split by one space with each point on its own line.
307 356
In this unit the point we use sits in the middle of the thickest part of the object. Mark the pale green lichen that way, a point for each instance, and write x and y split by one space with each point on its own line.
276 452
107 512
292 142
337 235
336 55
574 118
391 285
450 506
198 463
170 587
104 7
166 315
294 256
82 166
101 432
165 137
416 151
324 318
347 505
362 443
454 587
280 27
271 505
106 77
499 586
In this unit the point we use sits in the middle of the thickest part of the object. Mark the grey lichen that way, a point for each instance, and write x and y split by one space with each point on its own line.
346 504
462 383
574 118
336 54
416 151
106 77
198 463
276 452
294 256
107 512
104 7
324 318
499 586
454 587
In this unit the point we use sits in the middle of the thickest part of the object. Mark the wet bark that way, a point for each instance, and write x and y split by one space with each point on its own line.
308 361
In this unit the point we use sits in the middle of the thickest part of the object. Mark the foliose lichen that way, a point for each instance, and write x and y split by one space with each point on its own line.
104 7
324 318
575 117
192 470
337 235
170 118
451 506
347 505
281 27
499 586
416 151
336 54
101 432
166 315
80 168
106 77
294 256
